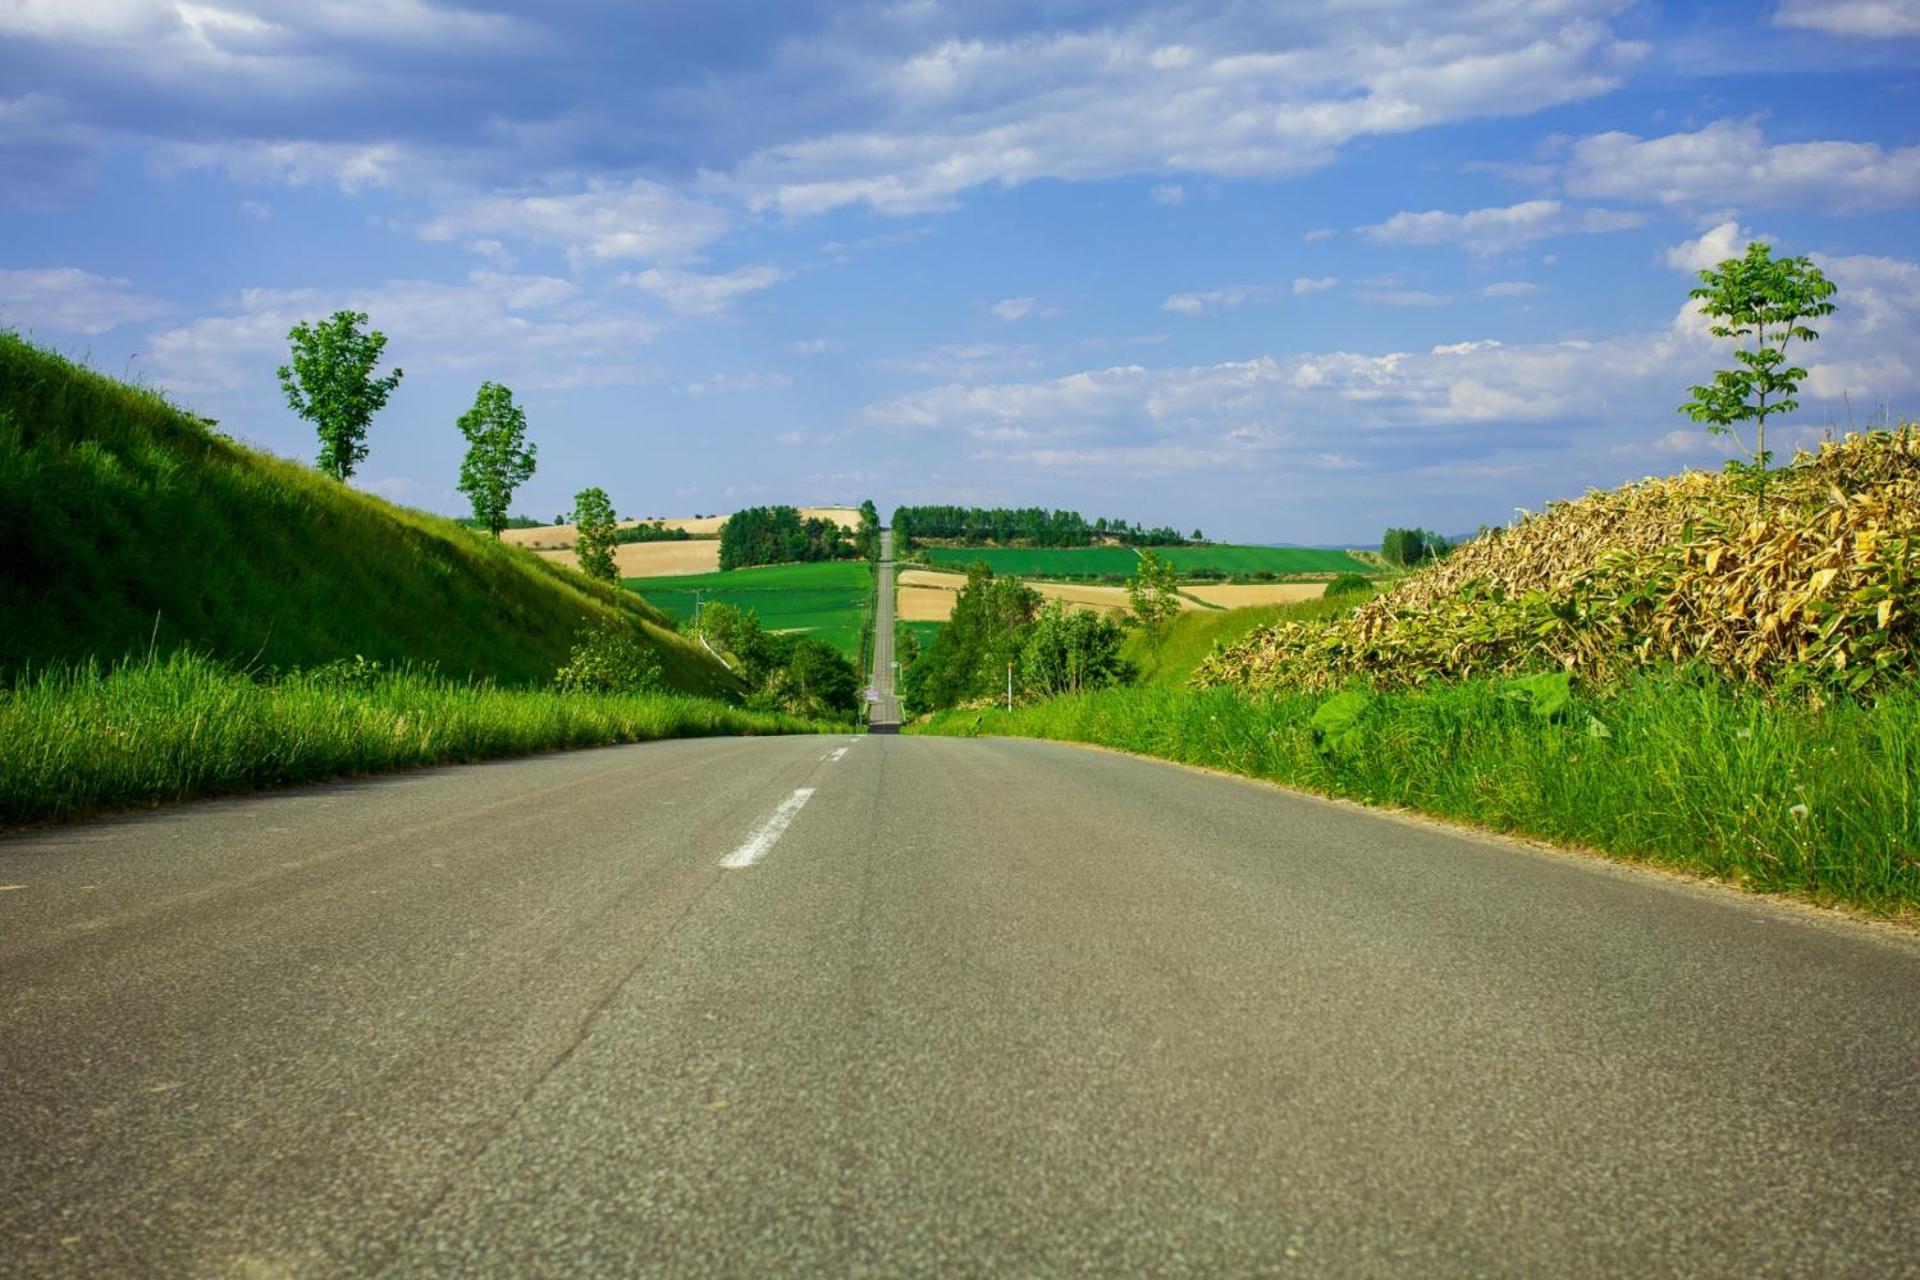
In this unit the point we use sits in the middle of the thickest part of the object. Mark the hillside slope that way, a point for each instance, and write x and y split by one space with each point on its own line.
125 523
1814 578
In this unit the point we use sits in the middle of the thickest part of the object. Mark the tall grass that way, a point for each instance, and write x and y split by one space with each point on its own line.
84 738
1698 774
127 521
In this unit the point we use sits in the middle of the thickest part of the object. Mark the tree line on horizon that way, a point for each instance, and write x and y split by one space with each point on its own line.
1025 526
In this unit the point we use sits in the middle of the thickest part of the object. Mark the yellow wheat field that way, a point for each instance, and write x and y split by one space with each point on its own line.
653 559
1241 596
551 537
932 595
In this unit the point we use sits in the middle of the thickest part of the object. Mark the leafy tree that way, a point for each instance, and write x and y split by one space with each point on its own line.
594 525
866 539
1154 592
1410 547
1071 651
1760 301
330 383
968 657
778 535
499 459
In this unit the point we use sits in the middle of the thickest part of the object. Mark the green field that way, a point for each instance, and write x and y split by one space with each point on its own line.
1040 562
1262 560
1090 562
828 600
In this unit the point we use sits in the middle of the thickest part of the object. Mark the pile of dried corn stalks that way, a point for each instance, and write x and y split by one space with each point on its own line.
1810 578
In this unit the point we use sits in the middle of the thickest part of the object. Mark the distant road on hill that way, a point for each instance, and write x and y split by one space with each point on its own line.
912 1006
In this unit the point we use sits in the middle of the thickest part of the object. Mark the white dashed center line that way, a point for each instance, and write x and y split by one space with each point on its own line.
764 839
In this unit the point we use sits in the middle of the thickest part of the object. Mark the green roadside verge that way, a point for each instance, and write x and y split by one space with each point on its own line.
84 739
1687 772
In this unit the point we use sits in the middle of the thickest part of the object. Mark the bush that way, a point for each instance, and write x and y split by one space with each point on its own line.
609 660
1350 584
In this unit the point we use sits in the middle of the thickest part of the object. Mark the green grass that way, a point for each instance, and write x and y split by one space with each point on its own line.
1039 562
1172 656
830 600
1699 774
1244 560
129 525
81 739
1094 562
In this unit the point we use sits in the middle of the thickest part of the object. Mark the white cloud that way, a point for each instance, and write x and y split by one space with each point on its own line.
1309 284
69 300
1011 309
690 293
1730 163
532 332
811 346
1709 249
1168 193
1231 99
1509 289
1403 297
351 167
723 383
605 222
1861 19
1210 301
1498 230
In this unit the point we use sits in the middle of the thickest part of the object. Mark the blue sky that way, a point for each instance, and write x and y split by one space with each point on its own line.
1286 272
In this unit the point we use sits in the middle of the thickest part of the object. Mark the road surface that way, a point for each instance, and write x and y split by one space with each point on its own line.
901 1006
883 716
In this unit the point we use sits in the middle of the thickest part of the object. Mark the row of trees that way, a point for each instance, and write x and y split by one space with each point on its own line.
784 671
779 535
1029 526
1410 547
1000 622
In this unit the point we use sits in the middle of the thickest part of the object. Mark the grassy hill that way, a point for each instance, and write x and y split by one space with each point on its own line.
128 524
1171 658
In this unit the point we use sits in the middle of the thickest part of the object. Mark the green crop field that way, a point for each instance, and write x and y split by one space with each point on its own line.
1087 562
1039 562
1262 560
828 600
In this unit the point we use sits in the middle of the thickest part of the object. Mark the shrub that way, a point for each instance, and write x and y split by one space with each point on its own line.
609 660
1349 584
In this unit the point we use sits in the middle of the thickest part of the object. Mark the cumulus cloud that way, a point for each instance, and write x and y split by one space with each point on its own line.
530 331
1730 163
69 300
691 293
1227 98
1211 301
1859 19
1498 230
1452 406
602 223
1709 249
1011 309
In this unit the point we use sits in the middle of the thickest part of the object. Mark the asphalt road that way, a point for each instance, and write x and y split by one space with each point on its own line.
883 716
958 1008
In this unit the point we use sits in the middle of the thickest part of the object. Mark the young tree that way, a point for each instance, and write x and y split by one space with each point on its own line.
330 383
1765 299
1154 592
866 539
593 525
499 459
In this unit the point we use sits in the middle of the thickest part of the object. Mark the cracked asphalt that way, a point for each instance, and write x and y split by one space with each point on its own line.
982 1008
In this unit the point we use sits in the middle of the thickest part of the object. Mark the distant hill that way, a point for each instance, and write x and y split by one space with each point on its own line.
126 522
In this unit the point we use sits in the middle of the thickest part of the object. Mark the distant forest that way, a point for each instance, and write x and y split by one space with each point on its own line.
778 535
1024 526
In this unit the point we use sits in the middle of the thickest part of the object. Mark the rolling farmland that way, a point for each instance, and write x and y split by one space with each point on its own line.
1087 562
826 600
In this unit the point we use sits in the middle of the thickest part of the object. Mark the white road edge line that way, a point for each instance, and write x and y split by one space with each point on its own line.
764 839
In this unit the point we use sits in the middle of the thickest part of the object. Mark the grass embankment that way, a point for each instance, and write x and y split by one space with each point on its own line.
830 600
1171 658
1700 775
130 527
83 739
